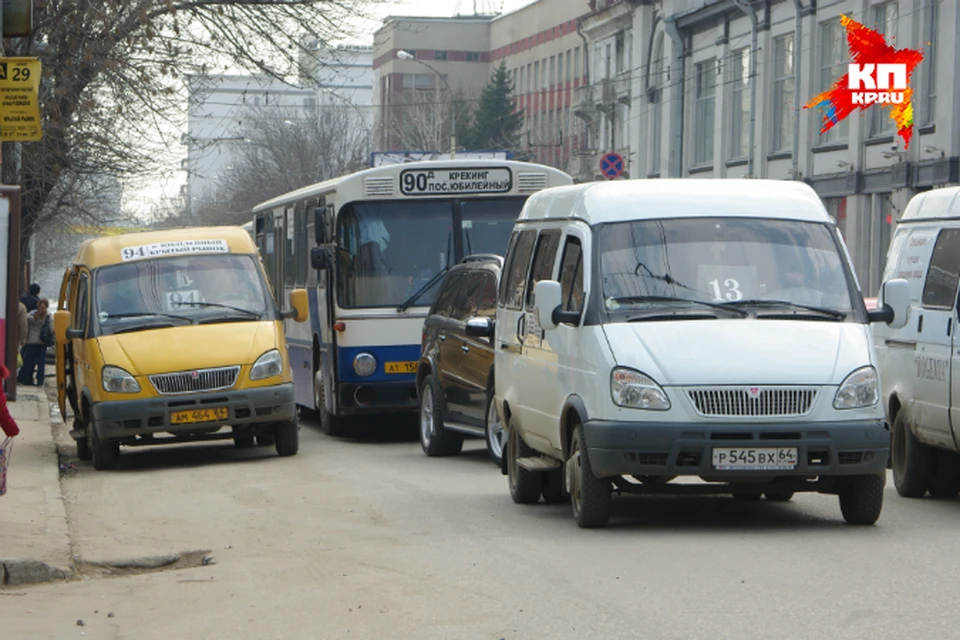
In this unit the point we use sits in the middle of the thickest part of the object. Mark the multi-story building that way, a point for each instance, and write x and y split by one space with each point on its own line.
427 70
343 76
721 84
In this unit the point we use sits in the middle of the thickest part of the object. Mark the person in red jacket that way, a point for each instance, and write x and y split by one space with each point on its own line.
7 423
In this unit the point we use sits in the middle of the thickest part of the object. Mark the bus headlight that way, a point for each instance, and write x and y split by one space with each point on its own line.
364 364
268 365
116 380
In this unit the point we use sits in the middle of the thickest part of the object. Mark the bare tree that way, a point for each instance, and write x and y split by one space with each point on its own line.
285 150
426 120
112 92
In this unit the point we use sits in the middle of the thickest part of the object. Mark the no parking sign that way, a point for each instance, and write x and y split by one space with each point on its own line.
611 165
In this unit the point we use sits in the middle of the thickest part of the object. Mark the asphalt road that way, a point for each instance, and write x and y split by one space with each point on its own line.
368 538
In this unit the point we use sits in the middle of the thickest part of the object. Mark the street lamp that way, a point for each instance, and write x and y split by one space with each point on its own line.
406 55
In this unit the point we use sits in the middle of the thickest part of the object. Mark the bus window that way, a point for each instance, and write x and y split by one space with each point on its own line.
487 224
379 269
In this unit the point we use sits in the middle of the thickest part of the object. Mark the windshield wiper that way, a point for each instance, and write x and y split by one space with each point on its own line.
140 327
144 314
712 305
833 313
422 290
255 314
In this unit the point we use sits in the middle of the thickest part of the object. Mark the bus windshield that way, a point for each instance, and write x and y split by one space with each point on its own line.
184 289
389 250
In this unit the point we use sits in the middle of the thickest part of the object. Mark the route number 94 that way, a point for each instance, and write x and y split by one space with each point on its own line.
728 289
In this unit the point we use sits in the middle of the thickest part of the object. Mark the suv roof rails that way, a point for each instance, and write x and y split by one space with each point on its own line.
483 257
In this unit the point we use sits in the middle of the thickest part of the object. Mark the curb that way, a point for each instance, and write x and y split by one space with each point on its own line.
18 572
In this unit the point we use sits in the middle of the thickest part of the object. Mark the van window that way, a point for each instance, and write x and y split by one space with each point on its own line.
940 288
543 259
517 270
571 275
83 299
722 260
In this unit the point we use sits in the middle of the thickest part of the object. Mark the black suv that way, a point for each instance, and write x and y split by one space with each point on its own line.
455 374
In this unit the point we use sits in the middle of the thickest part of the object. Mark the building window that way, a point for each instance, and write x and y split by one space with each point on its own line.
928 104
418 81
656 100
439 55
740 111
560 69
536 75
553 71
577 72
569 65
783 93
886 229
703 122
885 17
608 61
621 52
472 56
833 65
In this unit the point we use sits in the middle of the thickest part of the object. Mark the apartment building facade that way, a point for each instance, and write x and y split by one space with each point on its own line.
453 59
703 63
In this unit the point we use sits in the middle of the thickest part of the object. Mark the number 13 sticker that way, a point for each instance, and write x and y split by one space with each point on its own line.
728 289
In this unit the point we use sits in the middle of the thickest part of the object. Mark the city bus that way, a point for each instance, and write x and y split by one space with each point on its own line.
371 248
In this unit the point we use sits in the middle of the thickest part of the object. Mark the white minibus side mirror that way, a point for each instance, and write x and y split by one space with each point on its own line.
893 305
547 296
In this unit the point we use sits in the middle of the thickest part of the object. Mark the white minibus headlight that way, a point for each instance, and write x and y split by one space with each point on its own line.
859 389
364 364
635 390
268 365
116 380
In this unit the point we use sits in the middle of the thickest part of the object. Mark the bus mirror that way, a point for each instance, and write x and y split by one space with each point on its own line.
318 258
320 225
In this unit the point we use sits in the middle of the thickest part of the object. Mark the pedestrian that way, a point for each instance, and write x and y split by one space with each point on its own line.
7 423
39 337
32 299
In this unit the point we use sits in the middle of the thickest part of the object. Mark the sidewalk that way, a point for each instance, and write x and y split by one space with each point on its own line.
35 539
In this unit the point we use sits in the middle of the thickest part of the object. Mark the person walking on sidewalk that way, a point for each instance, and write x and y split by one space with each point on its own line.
7 423
32 299
39 337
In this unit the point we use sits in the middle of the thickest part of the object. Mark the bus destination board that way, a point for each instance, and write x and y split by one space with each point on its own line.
420 182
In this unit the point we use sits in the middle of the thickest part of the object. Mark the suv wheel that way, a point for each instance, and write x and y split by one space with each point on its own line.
434 438
493 429
590 496
912 460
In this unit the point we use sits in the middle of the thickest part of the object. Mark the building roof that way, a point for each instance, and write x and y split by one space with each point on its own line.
599 202
98 252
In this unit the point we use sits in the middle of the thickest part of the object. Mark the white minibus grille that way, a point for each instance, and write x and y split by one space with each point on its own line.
530 182
378 186
199 380
753 401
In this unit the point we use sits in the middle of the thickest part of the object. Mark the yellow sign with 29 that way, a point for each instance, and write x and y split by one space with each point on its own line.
19 99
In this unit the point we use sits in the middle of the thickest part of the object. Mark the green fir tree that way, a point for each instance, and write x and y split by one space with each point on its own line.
496 125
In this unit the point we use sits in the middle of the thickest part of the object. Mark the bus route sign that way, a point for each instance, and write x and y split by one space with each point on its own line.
428 182
19 105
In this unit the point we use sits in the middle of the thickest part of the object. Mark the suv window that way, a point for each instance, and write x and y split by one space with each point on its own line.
448 292
517 269
940 288
571 275
484 299
543 260
464 302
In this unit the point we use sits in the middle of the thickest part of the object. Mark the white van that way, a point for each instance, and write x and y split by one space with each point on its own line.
919 363
652 329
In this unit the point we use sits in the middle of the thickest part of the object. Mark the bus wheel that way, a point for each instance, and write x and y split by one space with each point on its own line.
330 424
